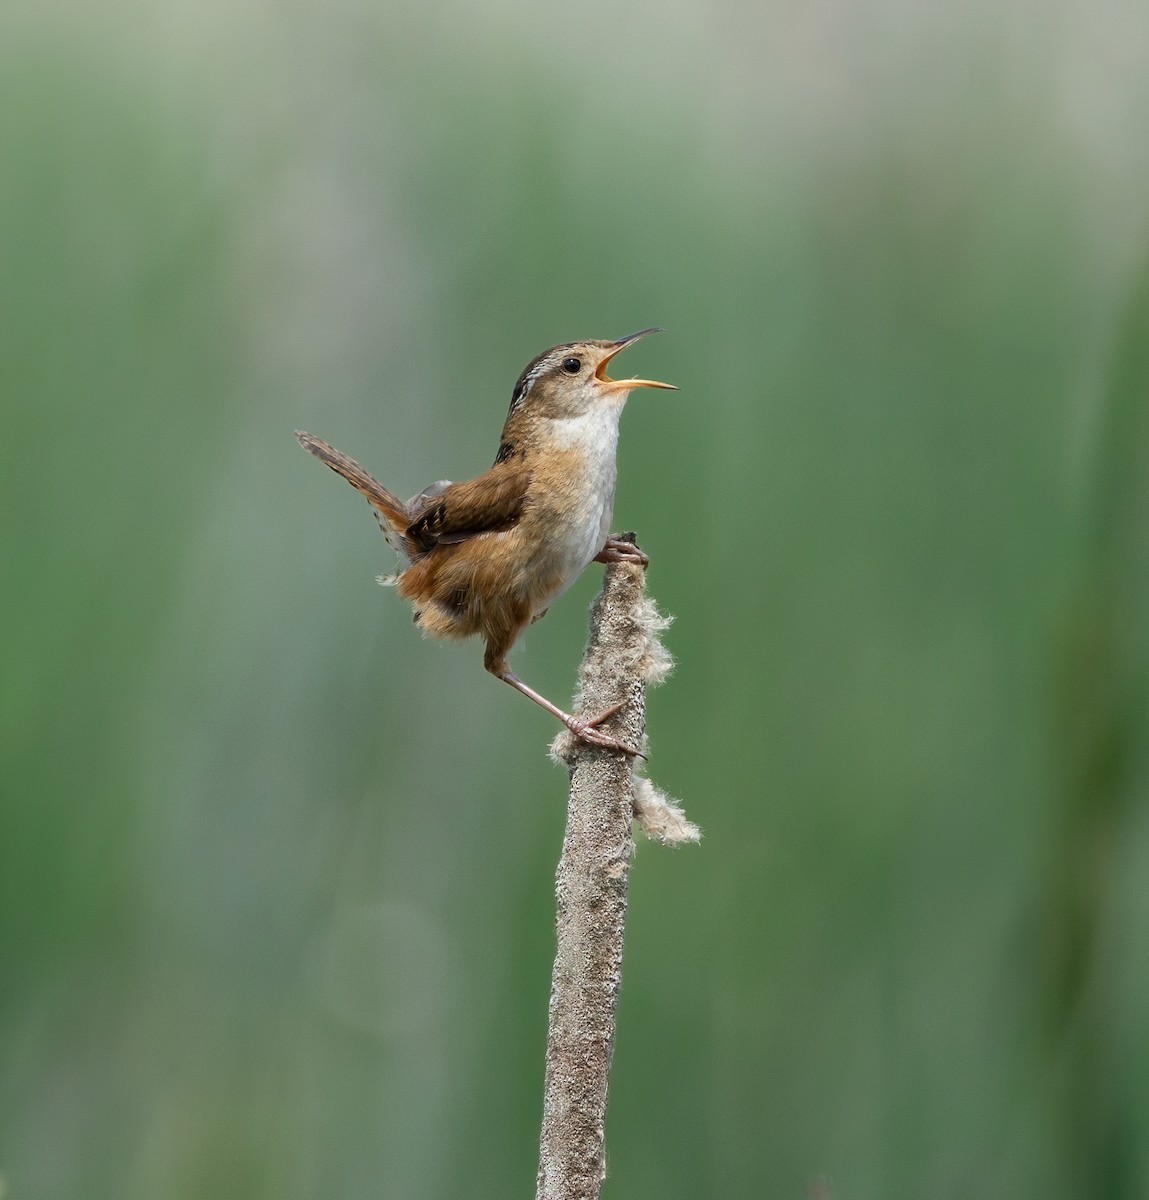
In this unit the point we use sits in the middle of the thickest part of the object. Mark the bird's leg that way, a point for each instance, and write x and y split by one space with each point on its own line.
499 641
620 550
585 729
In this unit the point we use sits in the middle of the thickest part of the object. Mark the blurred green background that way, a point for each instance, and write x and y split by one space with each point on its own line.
276 876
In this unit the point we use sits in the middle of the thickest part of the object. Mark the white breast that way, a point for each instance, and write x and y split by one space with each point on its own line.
587 499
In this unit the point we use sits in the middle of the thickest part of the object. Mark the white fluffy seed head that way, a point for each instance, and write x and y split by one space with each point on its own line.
660 817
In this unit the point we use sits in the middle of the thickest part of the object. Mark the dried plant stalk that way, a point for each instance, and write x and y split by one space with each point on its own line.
622 656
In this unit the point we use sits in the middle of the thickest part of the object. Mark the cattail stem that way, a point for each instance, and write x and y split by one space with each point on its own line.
623 654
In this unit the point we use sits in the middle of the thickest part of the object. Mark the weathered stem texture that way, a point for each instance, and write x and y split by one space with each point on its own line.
591 893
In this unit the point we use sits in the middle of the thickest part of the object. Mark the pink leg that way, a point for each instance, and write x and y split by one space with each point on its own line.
584 730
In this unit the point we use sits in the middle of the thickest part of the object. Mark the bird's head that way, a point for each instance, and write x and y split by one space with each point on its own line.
571 380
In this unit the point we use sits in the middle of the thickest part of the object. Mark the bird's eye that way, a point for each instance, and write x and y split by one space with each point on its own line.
572 366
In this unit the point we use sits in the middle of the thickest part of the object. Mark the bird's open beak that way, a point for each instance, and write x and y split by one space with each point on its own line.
618 385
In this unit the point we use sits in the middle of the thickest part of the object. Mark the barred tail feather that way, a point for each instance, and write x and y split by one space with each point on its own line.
396 516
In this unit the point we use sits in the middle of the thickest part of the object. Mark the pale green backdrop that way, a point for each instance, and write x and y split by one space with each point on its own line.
276 911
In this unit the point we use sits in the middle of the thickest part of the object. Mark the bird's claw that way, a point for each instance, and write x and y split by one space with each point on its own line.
617 550
586 730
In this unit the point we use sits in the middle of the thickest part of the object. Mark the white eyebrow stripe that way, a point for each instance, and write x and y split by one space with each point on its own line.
529 380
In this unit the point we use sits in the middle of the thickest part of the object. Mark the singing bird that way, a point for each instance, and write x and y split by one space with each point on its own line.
490 555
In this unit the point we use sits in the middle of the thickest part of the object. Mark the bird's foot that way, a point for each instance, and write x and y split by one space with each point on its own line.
619 550
586 729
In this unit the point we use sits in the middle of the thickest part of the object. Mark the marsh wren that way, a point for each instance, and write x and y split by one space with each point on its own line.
490 555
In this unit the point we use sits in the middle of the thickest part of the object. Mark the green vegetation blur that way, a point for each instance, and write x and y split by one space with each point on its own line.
276 906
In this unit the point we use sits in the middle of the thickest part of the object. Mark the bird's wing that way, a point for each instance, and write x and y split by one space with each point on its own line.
487 504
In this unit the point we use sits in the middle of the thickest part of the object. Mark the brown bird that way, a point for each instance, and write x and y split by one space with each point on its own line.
490 555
